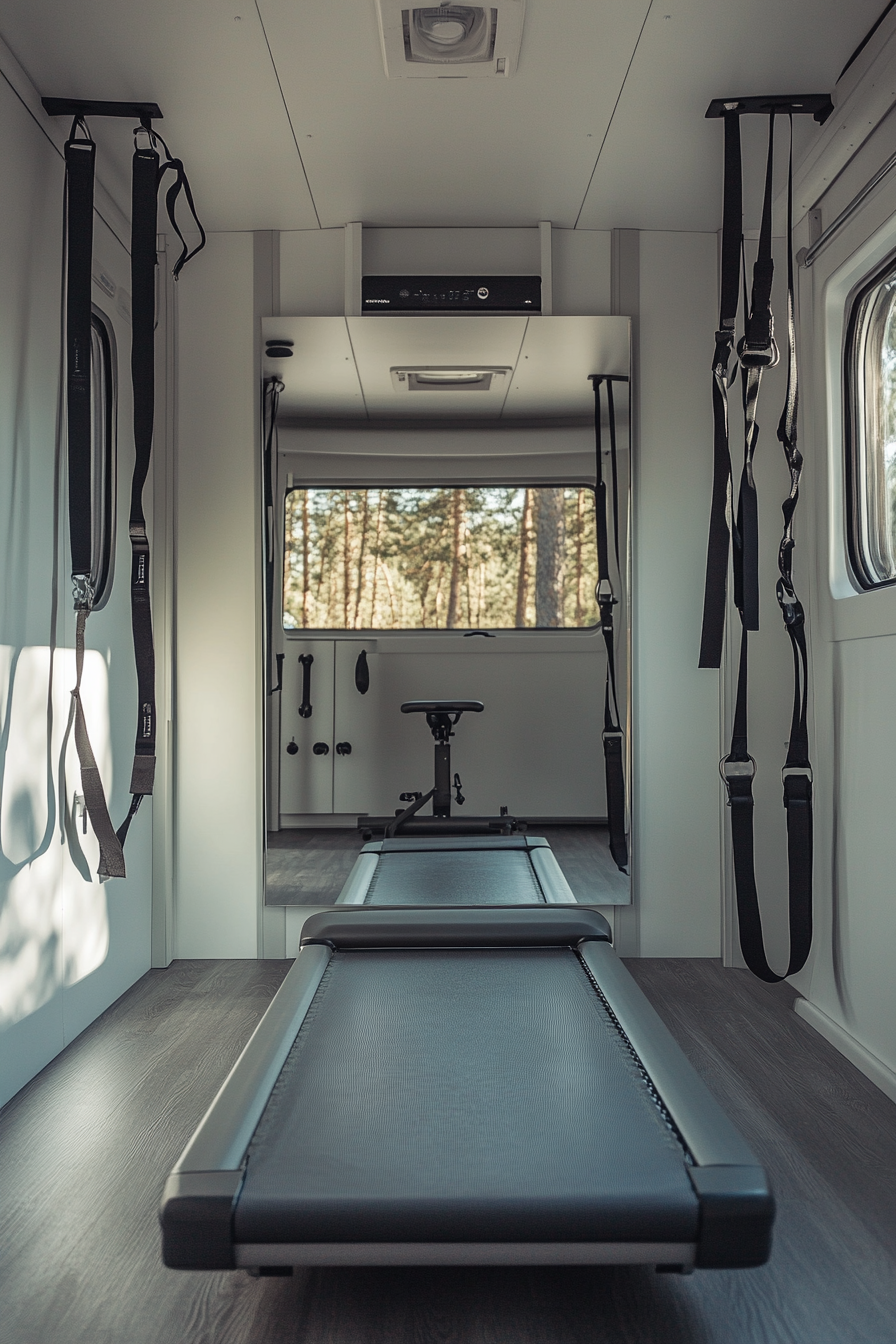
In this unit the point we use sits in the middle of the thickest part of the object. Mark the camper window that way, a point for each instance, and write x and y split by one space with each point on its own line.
440 558
870 402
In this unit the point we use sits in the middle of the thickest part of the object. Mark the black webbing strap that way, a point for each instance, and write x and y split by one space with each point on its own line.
144 192
269 406
80 161
716 584
757 351
147 175
613 737
738 768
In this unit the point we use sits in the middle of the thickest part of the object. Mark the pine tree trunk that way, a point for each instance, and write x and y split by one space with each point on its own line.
580 575
306 577
457 548
551 543
376 560
346 560
362 555
522 582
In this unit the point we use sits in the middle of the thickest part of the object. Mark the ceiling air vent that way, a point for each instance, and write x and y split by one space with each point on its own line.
451 41
449 380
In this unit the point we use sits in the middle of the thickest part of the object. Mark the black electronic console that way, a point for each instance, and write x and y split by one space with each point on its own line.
450 293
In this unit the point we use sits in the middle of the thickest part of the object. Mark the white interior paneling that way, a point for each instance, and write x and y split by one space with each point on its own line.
661 165
556 358
208 67
676 707
450 152
450 341
341 368
69 945
320 376
219 677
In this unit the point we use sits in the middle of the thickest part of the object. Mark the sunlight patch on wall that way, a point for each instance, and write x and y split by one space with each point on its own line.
54 920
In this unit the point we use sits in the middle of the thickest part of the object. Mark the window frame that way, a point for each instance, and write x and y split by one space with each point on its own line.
438 632
858 303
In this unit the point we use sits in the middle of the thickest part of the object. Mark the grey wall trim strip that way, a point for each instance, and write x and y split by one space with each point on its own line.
467 1253
848 211
706 1129
227 1128
358 881
554 885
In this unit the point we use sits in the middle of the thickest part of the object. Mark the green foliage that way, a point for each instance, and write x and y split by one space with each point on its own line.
383 559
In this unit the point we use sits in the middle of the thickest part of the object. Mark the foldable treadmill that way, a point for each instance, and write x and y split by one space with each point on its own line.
453 870
463 1086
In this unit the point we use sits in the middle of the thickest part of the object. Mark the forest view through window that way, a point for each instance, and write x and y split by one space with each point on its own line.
440 558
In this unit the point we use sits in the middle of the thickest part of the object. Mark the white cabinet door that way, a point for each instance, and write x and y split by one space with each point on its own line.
360 730
306 775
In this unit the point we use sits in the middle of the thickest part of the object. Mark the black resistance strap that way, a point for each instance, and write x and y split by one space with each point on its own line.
269 407
80 156
715 591
147 177
758 351
612 736
80 164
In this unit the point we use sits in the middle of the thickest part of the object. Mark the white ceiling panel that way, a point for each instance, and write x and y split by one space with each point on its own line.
451 152
557 356
320 377
591 87
383 343
661 165
206 63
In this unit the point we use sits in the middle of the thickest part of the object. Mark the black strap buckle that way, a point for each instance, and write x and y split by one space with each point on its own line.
797 772
604 594
791 606
612 732
758 356
738 773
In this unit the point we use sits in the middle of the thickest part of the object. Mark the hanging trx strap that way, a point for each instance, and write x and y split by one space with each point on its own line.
147 176
612 736
80 161
270 403
80 155
757 351
716 586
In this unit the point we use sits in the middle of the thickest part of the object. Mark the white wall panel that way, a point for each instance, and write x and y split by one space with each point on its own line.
676 708
69 946
219 690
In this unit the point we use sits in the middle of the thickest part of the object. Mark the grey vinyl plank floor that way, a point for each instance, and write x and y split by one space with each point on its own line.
86 1146
310 866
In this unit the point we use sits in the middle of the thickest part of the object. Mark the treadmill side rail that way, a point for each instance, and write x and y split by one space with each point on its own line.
359 879
737 1207
554 885
226 1130
704 1126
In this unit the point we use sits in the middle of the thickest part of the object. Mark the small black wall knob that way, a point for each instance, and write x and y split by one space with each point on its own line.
321 749
343 748
292 747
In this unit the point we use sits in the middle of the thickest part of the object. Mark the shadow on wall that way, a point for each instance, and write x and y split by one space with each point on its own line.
54 922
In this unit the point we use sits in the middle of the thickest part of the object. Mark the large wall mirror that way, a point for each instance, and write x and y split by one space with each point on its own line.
432 536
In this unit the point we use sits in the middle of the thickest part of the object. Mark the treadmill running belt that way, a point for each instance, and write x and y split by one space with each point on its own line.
454 877
462 1095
